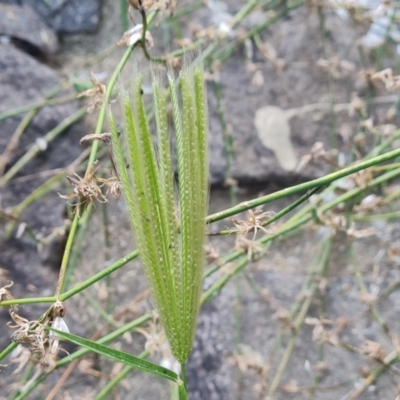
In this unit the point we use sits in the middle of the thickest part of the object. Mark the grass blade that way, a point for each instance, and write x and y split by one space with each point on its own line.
120 356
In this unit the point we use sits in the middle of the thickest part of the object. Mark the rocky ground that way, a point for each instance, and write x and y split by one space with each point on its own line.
289 88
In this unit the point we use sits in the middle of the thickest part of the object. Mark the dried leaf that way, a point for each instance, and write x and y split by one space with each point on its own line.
102 137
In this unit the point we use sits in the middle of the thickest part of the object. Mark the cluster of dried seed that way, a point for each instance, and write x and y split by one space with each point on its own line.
96 93
87 190
256 221
43 344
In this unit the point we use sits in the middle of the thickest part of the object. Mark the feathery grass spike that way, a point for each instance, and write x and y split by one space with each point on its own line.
170 242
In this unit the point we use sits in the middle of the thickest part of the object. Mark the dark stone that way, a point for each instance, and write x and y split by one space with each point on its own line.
69 16
23 24
206 363
65 16
23 81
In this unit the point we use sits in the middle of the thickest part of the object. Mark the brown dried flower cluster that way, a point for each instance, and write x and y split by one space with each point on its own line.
42 343
318 154
256 221
113 185
323 335
372 350
271 55
339 223
134 35
337 67
97 93
102 137
87 190
391 82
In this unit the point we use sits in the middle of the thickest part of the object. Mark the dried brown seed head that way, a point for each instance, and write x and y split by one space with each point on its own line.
97 93
391 82
86 189
134 35
102 137
5 294
59 309
114 185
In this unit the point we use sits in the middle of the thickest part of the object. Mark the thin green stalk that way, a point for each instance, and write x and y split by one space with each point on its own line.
360 282
35 149
377 217
299 321
227 50
228 143
105 103
107 246
373 153
323 181
238 333
100 275
321 348
34 196
297 306
36 106
40 192
331 85
78 288
13 142
229 158
65 259
96 306
386 167
83 224
278 215
25 378
123 15
8 350
183 12
183 374
244 12
30 300
208 294
390 359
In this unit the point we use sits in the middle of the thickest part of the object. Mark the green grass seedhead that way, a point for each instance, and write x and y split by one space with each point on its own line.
170 243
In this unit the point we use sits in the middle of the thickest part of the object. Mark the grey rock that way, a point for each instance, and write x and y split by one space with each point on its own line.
24 80
246 91
65 16
24 24
69 16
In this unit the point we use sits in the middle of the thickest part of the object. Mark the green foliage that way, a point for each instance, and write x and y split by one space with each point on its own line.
170 242
125 358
